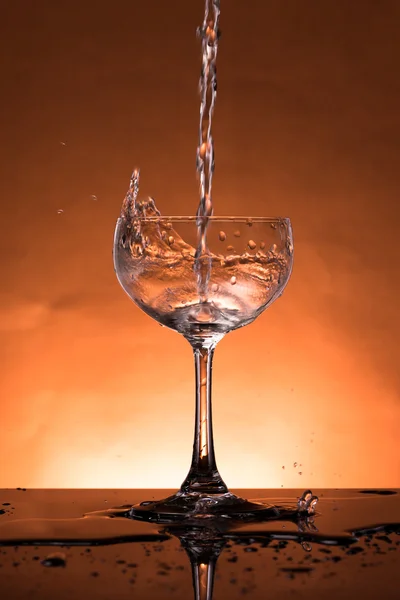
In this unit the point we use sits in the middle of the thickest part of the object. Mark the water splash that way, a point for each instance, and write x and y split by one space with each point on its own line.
307 502
130 207
134 211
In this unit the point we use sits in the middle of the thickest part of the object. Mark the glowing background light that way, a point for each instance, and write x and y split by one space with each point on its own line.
95 394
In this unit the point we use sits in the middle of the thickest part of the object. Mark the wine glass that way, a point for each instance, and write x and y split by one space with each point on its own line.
202 289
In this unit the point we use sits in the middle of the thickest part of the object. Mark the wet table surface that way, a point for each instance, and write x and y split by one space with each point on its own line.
50 549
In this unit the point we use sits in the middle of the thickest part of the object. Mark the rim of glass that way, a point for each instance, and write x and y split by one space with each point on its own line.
238 219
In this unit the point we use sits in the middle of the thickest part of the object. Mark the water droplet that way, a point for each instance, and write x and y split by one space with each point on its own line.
233 280
237 233
251 244
63 143
306 546
273 248
93 197
214 287
300 473
230 248
295 464
283 467
262 245
60 211
171 240
222 236
289 247
57 559
273 225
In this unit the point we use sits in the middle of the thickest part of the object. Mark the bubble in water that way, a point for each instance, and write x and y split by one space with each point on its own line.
306 546
163 235
93 197
222 236
300 472
214 287
262 245
295 464
236 233
60 211
57 559
171 240
289 247
233 280
230 248
251 244
273 225
273 248
249 222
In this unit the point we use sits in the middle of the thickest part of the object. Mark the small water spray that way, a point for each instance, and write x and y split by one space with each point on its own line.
129 205
307 502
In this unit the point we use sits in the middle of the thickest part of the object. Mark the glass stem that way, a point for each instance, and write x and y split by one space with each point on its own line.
203 476
203 579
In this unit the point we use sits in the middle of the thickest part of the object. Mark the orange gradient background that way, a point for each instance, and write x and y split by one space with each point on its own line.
307 125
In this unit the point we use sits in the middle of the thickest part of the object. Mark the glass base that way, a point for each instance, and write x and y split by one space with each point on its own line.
194 506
